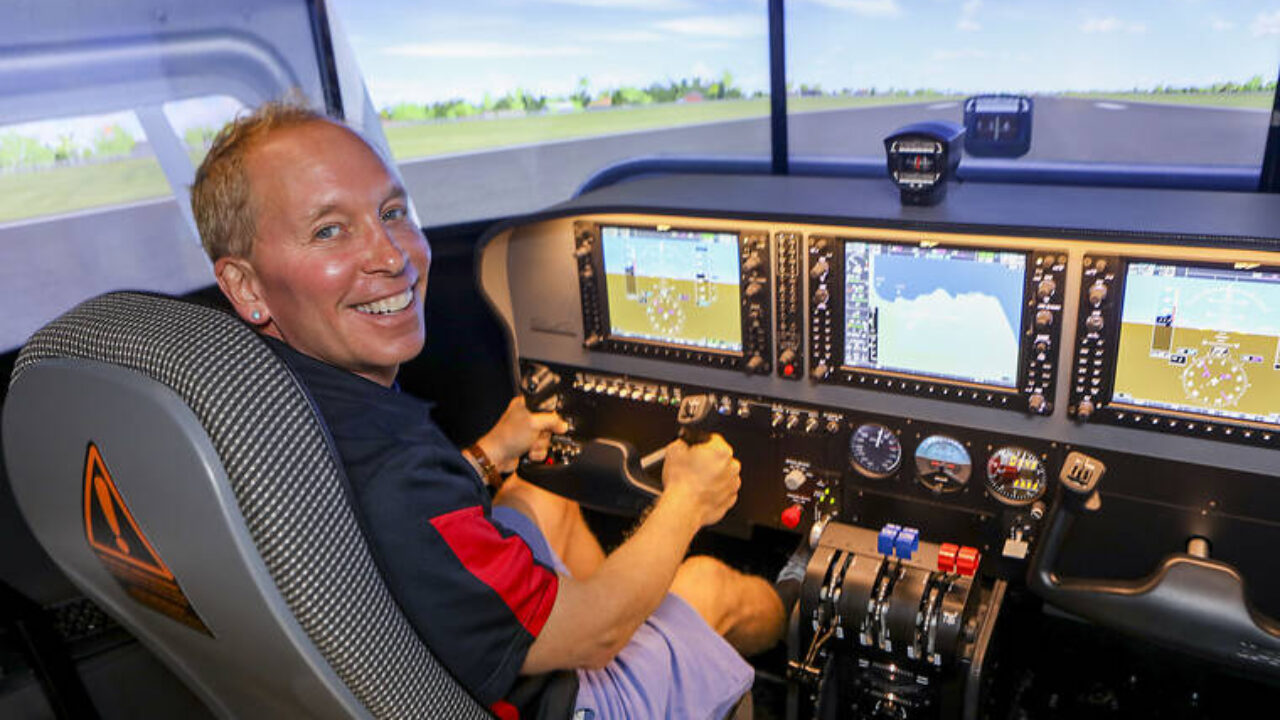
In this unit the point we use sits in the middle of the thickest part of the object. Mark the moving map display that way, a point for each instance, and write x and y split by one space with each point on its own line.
678 287
1200 340
941 312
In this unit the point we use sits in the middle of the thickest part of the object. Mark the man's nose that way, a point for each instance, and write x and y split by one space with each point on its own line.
386 253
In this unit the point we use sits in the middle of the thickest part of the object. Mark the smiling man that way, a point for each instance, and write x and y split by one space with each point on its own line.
313 243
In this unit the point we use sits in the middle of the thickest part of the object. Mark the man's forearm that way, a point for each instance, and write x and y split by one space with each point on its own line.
594 618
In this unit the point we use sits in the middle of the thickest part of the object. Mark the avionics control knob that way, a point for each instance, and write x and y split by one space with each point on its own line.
582 250
1046 288
755 364
1097 293
820 296
1085 409
753 289
1037 404
786 357
819 371
752 262
819 269
1044 318
1041 346
794 479
1094 323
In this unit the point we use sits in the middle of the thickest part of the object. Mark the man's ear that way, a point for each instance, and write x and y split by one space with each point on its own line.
239 283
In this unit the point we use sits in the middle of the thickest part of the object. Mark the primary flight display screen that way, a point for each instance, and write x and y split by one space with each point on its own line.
678 287
1200 340
951 313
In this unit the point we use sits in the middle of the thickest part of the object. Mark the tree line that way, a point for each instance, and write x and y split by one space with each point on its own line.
583 97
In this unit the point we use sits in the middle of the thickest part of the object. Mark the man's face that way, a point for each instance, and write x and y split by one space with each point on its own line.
340 266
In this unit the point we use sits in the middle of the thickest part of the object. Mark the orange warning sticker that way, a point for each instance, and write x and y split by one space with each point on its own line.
119 543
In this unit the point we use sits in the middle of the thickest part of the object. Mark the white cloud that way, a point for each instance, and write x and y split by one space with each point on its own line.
482 50
628 36
969 16
1220 25
711 26
1112 25
961 54
866 8
1266 24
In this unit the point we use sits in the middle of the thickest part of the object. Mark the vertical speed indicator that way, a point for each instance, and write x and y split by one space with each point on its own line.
874 451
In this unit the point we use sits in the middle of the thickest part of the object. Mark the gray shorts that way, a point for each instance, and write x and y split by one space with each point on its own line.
675 666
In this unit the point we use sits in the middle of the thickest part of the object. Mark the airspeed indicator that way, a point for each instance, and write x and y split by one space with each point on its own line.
874 451
942 464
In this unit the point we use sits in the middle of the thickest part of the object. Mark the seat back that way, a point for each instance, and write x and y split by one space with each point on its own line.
179 474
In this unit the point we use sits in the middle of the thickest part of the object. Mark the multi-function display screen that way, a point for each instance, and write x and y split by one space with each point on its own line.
677 287
1200 340
938 312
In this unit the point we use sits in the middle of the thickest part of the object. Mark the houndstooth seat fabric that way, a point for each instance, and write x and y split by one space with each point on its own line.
286 479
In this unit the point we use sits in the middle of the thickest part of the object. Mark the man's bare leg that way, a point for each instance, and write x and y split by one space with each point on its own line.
743 608
560 521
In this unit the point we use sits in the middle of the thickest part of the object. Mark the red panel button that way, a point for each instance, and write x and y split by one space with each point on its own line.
791 516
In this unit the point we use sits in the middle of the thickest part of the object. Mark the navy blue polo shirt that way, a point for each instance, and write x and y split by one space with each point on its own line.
470 587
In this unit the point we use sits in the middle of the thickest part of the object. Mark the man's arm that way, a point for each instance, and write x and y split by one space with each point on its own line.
593 619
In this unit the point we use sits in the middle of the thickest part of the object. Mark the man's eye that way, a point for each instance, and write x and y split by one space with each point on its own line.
395 213
328 232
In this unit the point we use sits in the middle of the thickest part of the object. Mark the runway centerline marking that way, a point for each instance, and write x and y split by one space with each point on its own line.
1110 106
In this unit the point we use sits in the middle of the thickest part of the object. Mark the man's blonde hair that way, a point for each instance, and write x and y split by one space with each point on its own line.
220 196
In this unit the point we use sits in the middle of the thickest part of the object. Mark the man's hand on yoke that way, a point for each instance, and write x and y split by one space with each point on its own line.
593 619
705 474
519 432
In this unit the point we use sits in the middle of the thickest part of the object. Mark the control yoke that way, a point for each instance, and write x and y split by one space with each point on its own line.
1188 602
604 473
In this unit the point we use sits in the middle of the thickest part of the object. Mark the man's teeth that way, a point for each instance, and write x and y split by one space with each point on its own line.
395 303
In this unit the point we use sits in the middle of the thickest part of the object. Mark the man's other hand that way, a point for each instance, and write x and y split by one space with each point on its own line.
519 432
706 474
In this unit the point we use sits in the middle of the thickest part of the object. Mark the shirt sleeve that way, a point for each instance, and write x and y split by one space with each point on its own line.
472 589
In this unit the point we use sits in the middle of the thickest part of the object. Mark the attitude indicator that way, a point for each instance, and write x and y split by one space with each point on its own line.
942 464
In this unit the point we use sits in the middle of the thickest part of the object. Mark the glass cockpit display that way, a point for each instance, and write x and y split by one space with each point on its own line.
952 313
1200 340
677 287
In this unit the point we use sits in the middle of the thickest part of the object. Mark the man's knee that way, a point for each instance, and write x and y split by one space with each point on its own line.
707 585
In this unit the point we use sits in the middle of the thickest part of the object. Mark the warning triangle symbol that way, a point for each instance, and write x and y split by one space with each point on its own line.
108 524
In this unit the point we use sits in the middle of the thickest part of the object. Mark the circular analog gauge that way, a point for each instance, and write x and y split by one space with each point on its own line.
874 451
1016 476
1214 381
942 464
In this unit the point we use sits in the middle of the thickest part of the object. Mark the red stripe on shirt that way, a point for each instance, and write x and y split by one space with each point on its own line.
505 710
506 565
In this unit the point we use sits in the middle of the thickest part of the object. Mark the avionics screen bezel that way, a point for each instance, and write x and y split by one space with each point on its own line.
1033 376
595 295
1182 421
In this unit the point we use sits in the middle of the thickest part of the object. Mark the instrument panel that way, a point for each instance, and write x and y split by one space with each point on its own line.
884 374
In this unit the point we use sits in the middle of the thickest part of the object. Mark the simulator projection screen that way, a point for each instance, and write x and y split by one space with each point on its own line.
677 287
939 312
1200 340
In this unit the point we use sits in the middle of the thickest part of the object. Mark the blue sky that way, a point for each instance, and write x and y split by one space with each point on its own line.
429 51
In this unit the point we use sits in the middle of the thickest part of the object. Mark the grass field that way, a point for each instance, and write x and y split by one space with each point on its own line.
67 189
1234 100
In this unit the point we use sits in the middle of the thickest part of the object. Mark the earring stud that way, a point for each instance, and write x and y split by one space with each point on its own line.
257 315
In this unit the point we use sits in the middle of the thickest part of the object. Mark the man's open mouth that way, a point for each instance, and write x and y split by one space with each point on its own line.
388 305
